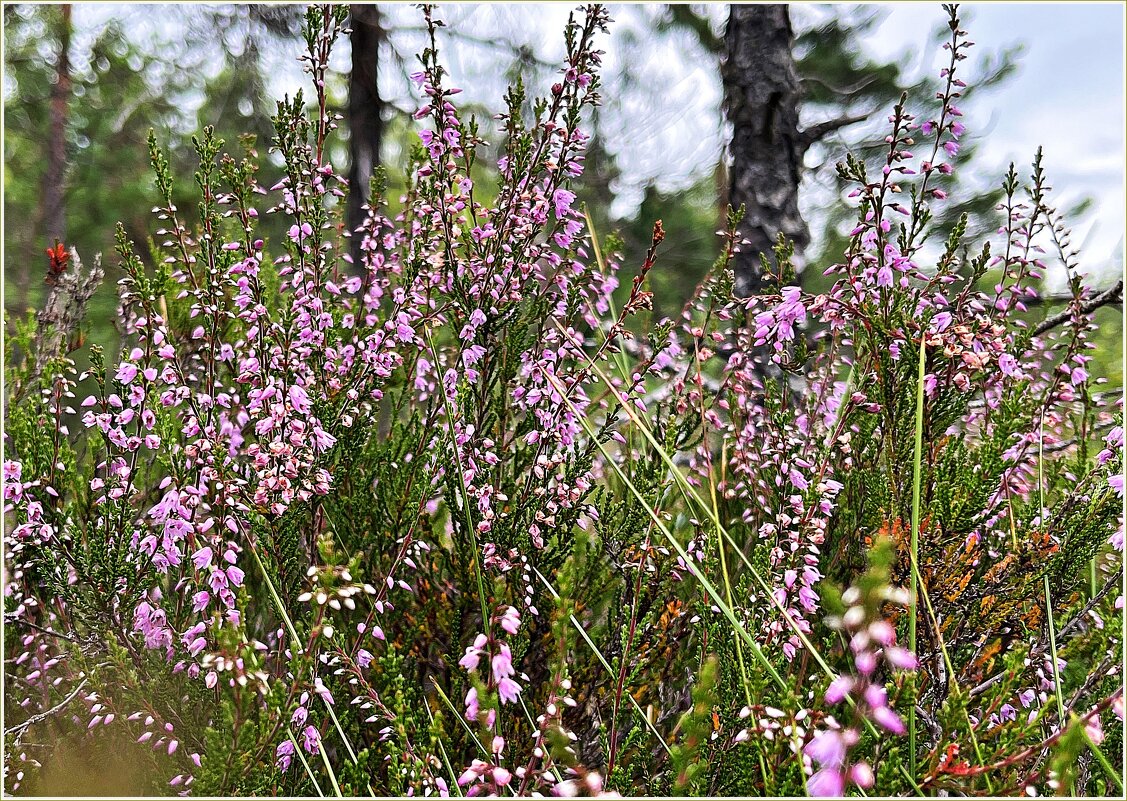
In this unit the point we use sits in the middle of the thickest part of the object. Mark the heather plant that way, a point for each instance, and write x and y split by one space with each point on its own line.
459 519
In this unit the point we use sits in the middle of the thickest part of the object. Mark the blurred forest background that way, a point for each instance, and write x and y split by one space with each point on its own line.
680 136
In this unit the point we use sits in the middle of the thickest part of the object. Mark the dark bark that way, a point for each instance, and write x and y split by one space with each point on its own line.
54 200
762 95
365 121
52 222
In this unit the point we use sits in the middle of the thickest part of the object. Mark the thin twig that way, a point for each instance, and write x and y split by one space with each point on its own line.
17 731
819 131
1112 295
13 620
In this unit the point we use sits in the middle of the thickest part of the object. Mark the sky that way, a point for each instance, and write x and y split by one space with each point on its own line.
1067 94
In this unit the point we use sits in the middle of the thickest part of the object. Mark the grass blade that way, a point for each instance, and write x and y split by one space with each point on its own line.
914 546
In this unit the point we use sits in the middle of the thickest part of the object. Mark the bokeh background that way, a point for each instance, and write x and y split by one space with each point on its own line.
1041 74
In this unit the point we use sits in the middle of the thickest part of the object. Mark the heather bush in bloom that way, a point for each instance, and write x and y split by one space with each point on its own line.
462 519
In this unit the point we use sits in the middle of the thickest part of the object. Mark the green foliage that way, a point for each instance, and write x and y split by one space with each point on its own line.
689 770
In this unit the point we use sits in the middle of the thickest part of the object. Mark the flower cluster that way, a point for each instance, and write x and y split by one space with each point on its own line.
872 643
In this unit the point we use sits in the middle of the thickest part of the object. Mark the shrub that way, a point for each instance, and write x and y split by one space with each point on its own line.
457 519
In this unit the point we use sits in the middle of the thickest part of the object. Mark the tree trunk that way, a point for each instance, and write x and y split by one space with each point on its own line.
53 222
365 123
761 94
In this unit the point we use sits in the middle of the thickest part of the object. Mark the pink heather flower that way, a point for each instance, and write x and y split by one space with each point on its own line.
298 234
126 372
952 148
299 399
862 775
471 658
1079 376
12 471
509 690
566 789
562 200
901 658
284 755
235 576
839 688
1094 729
827 748
889 719
468 775
510 621
1116 483
472 708
808 598
310 739
363 658
826 783
502 663
1007 364
202 558
882 632
876 696
323 691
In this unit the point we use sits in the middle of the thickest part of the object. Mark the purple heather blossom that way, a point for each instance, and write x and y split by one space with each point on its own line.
202 558
502 663
562 200
508 690
510 621
826 783
126 372
827 748
311 739
889 720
